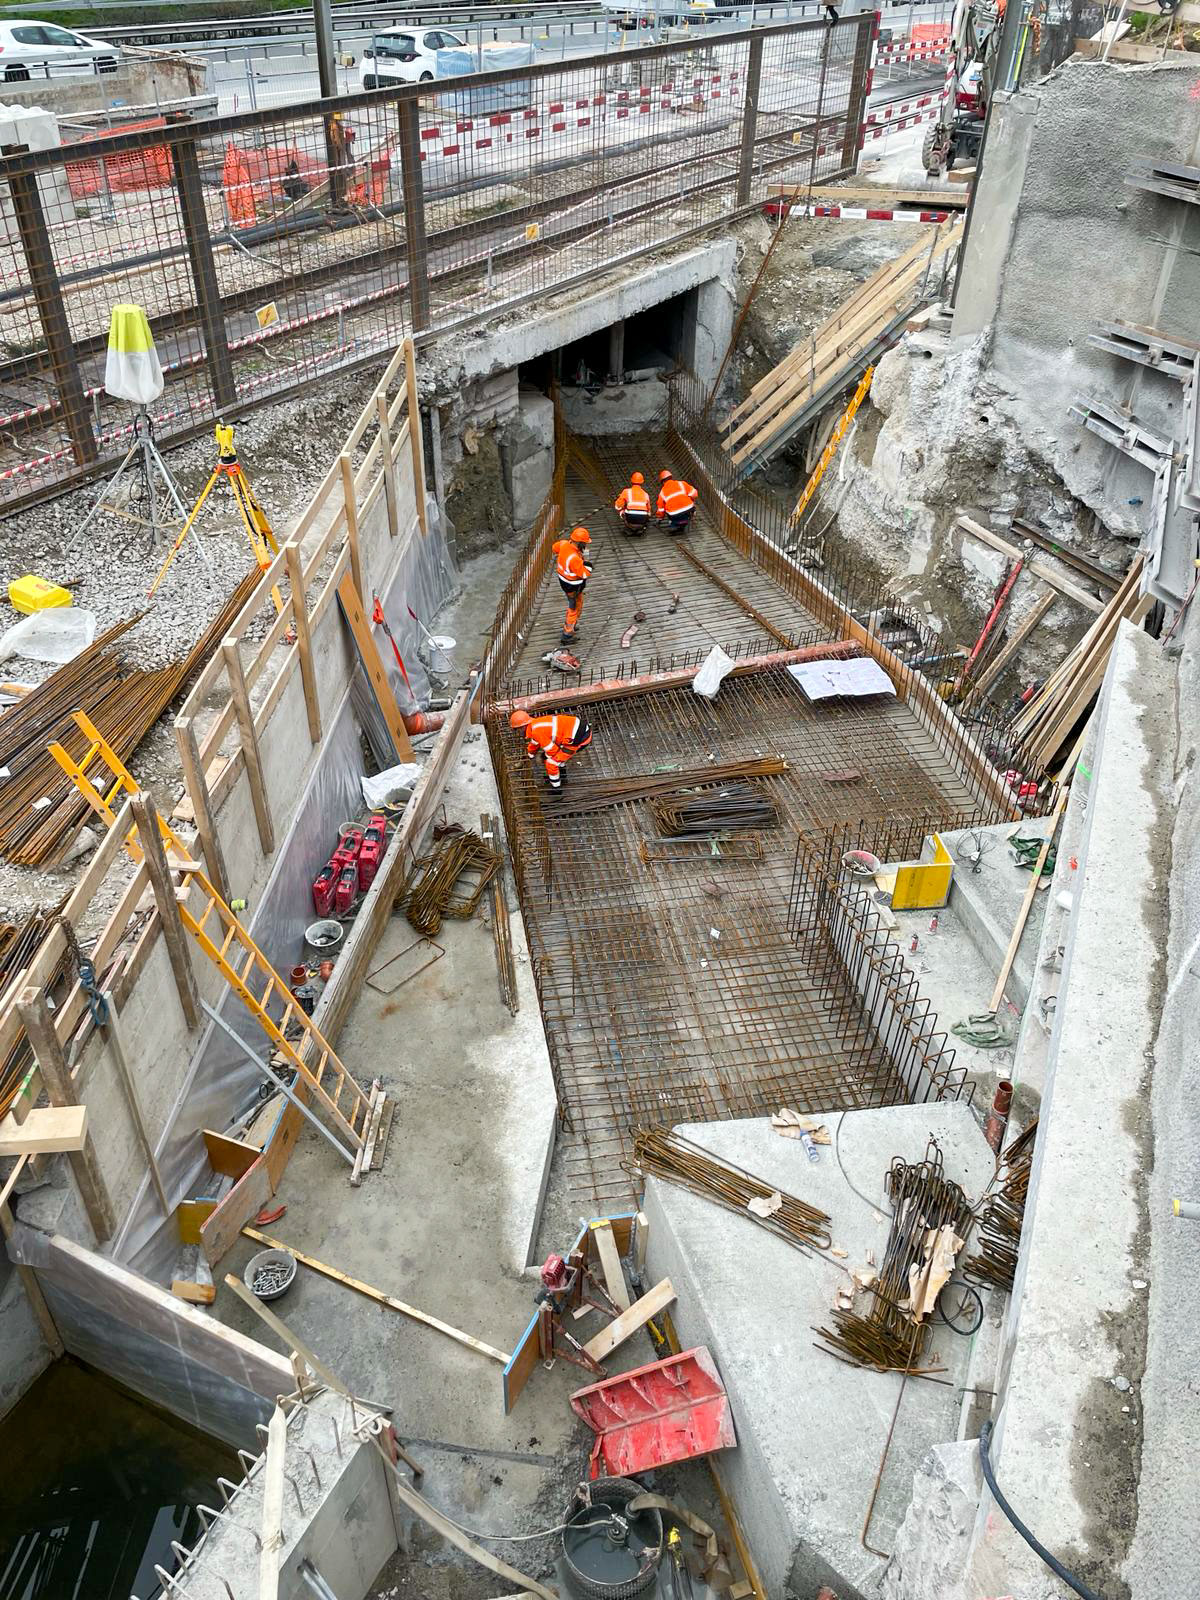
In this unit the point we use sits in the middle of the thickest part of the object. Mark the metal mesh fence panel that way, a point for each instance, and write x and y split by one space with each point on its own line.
275 248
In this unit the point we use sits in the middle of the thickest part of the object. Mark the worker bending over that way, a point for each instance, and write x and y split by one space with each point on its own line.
676 502
573 574
556 738
633 504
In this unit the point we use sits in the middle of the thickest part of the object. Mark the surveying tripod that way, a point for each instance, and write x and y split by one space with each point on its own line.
254 518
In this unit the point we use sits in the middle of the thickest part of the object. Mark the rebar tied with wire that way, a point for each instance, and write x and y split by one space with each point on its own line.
432 895
721 810
891 1338
597 794
659 1153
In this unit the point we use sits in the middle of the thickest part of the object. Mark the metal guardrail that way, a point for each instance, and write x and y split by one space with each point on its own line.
274 248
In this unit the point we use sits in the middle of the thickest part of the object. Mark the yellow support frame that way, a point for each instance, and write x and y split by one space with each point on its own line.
924 885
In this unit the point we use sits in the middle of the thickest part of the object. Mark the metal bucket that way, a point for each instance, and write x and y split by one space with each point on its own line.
441 648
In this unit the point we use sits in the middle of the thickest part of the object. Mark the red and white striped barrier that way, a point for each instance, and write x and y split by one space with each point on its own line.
907 50
887 128
873 214
899 109
562 118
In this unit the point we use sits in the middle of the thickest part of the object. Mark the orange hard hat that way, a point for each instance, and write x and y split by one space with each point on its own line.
663 475
580 536
636 477
520 719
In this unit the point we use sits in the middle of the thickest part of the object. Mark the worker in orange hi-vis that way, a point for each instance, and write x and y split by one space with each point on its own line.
633 504
573 574
676 502
556 737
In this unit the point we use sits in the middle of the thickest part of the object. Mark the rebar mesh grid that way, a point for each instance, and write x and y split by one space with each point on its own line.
675 993
273 248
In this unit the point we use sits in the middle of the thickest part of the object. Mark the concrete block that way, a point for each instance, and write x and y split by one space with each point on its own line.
929 1552
810 1429
530 485
984 562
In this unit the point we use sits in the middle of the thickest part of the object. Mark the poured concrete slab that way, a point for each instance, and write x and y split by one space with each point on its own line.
811 1430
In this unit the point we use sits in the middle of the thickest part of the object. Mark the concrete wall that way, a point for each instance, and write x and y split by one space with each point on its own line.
1060 240
145 78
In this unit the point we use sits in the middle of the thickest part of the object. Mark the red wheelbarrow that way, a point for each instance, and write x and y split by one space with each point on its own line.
668 1411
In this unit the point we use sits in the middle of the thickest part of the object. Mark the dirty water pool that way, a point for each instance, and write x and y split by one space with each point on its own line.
96 1484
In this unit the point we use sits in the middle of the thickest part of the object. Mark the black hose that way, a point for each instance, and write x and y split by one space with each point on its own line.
1034 1543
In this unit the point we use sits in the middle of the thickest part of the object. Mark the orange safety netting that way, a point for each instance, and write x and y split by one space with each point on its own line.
929 32
125 171
236 185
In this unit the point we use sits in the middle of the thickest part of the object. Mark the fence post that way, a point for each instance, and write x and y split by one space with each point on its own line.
413 193
251 754
162 884
749 120
387 460
308 670
350 499
204 273
47 294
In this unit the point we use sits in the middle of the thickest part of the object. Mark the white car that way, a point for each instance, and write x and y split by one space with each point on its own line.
43 49
406 55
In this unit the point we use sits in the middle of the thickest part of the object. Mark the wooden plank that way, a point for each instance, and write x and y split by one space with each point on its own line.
355 617
308 667
415 433
287 1133
154 859
1036 566
521 1364
190 1216
379 1297
387 463
196 1294
628 1323
272 1512
199 804
35 1014
251 754
997 665
47 1129
610 1262
245 1200
230 1157
641 1238
350 499
1035 877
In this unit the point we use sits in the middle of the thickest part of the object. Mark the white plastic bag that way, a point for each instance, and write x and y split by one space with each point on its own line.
717 667
385 786
57 635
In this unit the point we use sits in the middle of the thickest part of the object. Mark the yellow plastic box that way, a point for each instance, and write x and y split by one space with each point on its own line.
31 593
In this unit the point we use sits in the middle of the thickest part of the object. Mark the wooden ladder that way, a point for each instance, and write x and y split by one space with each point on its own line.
355 1112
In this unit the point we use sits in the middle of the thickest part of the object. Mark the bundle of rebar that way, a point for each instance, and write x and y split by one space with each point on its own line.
19 943
40 810
995 1260
432 895
718 810
598 793
892 1337
660 1153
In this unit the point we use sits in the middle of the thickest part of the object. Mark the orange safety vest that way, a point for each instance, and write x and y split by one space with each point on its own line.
675 496
554 735
633 499
571 567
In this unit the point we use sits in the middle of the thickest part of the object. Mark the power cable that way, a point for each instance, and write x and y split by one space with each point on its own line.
1030 1538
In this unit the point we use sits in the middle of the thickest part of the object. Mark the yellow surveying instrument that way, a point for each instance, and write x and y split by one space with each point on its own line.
254 518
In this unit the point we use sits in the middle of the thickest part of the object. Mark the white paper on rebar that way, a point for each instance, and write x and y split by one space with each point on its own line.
822 680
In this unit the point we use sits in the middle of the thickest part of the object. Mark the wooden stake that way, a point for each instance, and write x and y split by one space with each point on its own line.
249 736
610 1261
1014 944
33 1291
162 883
38 1021
308 668
995 667
415 437
387 462
272 1513
628 1323
202 807
379 1297
350 499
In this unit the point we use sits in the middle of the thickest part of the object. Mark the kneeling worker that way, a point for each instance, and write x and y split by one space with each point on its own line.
633 504
676 502
555 737
573 574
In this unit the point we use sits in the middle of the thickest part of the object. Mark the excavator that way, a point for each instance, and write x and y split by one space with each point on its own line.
974 44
